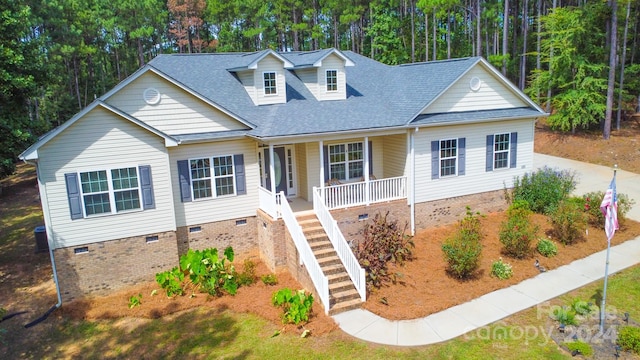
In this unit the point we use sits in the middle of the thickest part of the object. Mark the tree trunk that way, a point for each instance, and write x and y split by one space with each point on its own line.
478 32
606 133
623 60
523 58
413 31
505 34
539 38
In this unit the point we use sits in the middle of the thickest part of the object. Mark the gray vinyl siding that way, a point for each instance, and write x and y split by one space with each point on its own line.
270 64
394 155
476 178
493 94
178 112
222 208
101 141
310 79
248 81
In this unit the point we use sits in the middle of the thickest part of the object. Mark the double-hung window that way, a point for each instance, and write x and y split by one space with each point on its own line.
212 177
105 192
332 80
448 157
346 161
501 151
270 85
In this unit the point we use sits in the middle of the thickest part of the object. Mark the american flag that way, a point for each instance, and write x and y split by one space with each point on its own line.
609 208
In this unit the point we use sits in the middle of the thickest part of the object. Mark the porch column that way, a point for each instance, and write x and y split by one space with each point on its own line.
272 174
321 148
367 186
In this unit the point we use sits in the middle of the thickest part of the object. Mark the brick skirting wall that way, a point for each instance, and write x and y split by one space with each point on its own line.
239 233
101 268
352 220
447 211
271 240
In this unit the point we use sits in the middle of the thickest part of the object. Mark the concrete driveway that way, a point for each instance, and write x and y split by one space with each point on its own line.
596 178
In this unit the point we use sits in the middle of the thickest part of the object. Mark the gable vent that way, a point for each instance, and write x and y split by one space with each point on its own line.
151 96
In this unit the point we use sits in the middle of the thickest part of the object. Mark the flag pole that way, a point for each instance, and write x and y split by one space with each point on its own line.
606 271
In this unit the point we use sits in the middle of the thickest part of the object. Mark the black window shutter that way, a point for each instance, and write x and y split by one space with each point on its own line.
73 194
146 185
461 155
513 148
435 159
489 152
184 180
325 150
241 181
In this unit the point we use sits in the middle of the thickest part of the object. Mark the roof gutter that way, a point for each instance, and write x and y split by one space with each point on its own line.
466 122
343 132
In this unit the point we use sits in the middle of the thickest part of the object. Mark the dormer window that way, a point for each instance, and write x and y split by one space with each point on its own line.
270 87
332 80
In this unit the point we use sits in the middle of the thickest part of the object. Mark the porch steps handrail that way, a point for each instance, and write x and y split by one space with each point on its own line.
307 258
349 260
267 204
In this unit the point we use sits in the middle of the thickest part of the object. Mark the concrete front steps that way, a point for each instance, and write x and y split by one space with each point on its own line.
343 295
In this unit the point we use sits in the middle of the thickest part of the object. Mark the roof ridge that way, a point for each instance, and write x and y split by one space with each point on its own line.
438 61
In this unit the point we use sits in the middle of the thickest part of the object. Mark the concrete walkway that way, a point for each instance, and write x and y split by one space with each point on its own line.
499 304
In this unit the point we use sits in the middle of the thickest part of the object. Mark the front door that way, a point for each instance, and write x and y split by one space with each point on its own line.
279 169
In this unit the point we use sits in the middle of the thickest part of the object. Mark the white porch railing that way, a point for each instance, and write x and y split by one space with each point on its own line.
268 203
355 194
320 281
349 260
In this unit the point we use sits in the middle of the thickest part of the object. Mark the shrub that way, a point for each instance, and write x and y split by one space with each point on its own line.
462 251
629 338
501 270
269 279
592 203
579 347
248 274
565 315
295 304
171 281
569 221
384 241
135 300
517 233
543 189
547 248
581 307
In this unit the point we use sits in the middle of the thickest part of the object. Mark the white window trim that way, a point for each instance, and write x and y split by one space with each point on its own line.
111 191
457 140
275 86
346 160
326 83
213 177
508 151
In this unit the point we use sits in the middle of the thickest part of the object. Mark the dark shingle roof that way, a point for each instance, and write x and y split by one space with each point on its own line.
378 95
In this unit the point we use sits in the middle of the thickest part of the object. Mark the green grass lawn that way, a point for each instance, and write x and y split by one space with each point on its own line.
210 334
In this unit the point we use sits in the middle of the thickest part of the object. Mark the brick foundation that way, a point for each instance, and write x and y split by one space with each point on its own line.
447 211
352 220
112 265
240 234
271 241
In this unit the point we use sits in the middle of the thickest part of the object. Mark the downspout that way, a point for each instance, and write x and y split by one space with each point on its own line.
51 256
411 180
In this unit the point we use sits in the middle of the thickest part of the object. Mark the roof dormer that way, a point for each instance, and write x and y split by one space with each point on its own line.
262 75
323 73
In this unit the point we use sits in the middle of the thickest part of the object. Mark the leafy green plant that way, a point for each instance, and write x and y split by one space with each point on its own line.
462 251
501 269
569 221
171 281
269 279
517 233
629 338
565 315
592 203
135 300
295 304
547 248
581 307
543 189
248 274
579 347
209 271
384 241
